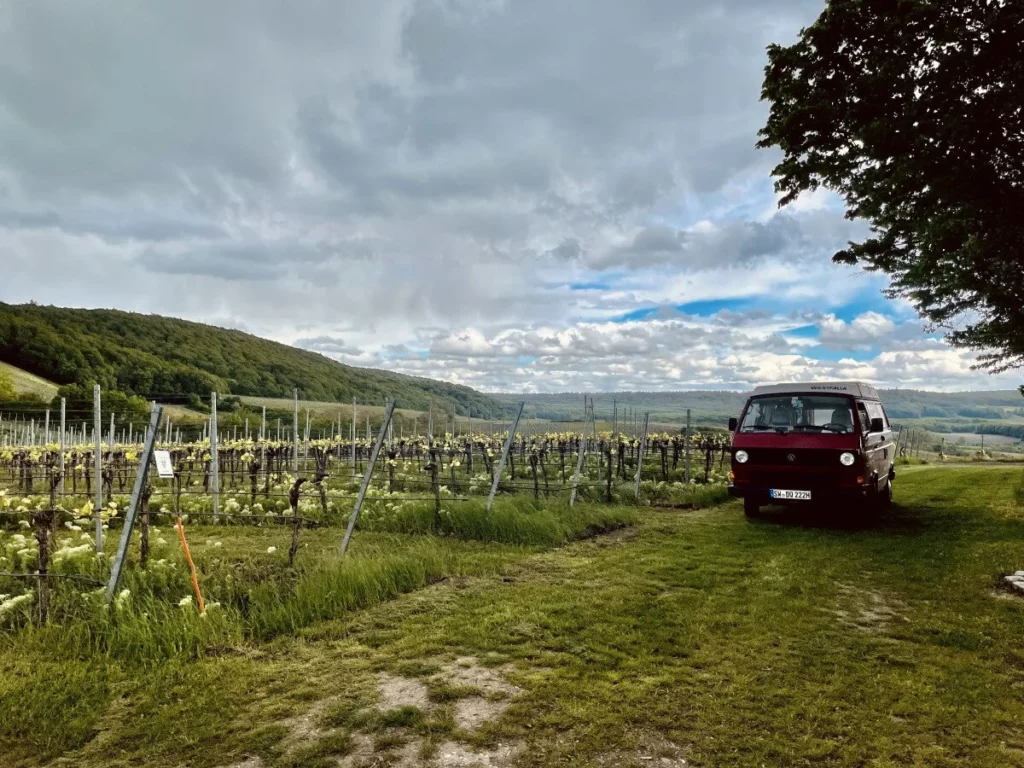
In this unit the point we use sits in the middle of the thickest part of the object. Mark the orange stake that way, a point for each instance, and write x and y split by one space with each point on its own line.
192 567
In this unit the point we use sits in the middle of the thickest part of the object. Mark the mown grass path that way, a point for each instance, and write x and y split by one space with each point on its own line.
698 635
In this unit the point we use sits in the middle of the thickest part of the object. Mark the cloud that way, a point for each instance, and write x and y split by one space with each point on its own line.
733 243
419 184
866 329
328 345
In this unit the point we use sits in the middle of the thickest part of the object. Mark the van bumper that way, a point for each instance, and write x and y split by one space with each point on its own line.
853 493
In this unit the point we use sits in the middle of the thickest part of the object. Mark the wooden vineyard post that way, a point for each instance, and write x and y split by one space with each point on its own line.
435 485
133 505
353 437
60 461
293 499
579 466
640 458
295 433
388 411
504 456
686 447
214 462
97 436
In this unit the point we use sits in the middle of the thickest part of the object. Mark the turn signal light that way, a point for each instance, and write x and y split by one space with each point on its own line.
732 476
860 480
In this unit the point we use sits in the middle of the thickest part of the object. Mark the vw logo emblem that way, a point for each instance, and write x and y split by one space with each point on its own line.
791 458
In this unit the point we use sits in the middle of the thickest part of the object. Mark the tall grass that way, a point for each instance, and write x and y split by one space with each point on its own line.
513 520
253 595
276 607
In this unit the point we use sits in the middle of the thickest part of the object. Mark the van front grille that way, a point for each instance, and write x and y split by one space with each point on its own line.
782 457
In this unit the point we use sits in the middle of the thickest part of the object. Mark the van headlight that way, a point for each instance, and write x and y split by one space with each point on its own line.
847 459
741 457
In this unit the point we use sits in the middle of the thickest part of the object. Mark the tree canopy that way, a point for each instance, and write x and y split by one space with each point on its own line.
912 111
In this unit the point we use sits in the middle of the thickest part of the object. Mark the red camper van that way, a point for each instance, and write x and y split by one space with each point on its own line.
820 442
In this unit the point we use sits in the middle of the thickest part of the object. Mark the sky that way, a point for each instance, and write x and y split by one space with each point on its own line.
516 195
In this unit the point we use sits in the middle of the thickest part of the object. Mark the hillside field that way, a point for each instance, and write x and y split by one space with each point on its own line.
26 383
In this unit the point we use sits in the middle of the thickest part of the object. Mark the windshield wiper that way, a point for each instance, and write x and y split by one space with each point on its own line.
751 427
809 426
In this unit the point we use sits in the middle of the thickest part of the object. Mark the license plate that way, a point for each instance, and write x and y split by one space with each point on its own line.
794 495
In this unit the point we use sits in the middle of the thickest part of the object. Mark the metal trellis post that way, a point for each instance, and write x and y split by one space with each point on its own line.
133 504
504 455
366 479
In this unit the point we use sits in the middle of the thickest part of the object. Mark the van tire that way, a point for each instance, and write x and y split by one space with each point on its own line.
885 495
751 508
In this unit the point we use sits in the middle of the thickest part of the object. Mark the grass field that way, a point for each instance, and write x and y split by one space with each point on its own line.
27 383
691 638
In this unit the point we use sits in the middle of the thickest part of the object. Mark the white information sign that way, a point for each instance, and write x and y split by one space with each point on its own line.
164 468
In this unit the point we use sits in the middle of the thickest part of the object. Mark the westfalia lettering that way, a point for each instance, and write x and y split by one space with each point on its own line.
838 389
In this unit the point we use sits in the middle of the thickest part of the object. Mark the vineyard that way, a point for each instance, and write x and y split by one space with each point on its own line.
242 520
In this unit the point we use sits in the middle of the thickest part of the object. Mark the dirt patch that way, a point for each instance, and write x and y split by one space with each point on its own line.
467 671
654 751
361 753
451 754
869 610
474 711
398 692
250 762
305 727
489 695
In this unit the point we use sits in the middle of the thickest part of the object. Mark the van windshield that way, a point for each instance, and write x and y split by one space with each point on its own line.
799 413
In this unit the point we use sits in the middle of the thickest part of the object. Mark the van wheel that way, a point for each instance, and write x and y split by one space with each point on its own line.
885 495
751 508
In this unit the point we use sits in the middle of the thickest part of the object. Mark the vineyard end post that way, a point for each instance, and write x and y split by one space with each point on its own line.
388 411
504 456
133 504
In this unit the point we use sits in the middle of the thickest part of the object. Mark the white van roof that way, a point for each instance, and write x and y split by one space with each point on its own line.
852 388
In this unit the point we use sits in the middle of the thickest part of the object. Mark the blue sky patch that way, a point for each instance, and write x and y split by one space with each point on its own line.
708 307
804 332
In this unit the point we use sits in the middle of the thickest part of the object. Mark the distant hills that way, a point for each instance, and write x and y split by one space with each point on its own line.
713 408
156 357
159 358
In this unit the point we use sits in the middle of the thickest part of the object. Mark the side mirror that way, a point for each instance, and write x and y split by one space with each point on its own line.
733 423
877 425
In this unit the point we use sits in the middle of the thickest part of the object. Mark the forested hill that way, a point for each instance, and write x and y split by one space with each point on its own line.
149 355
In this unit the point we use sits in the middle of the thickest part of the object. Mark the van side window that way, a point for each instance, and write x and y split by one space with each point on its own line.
875 411
865 420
